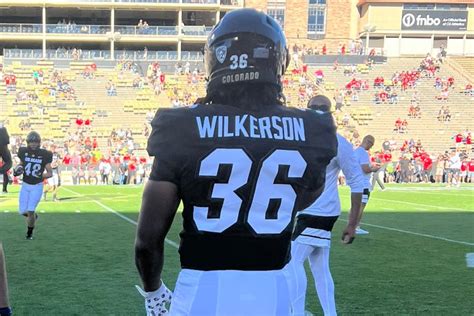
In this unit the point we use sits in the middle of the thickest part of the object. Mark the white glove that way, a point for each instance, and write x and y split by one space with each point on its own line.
155 302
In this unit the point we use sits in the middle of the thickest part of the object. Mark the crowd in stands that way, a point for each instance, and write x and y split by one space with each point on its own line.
89 160
142 27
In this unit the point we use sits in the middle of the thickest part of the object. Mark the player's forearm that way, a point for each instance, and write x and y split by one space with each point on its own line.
47 175
149 262
356 201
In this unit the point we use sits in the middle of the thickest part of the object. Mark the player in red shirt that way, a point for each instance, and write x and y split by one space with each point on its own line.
458 138
427 166
470 168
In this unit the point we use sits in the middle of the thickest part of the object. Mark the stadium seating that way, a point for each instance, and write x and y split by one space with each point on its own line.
131 105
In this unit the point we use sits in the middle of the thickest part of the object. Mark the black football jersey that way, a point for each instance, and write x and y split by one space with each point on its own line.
4 138
34 162
242 176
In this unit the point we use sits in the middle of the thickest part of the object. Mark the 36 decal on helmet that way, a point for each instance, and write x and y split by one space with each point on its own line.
245 46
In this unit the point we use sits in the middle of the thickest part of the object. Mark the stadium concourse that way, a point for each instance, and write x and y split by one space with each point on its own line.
417 109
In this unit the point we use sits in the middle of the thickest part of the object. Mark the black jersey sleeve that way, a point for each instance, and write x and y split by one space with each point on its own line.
21 154
4 152
4 138
165 144
48 157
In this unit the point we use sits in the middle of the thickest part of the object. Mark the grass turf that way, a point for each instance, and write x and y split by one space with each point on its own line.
81 261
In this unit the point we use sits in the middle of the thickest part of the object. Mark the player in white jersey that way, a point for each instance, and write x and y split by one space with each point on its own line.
362 156
55 181
312 235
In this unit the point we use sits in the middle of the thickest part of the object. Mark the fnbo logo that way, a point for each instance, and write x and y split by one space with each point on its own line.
409 20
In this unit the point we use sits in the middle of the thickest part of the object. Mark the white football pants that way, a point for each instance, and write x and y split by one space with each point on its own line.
319 263
231 293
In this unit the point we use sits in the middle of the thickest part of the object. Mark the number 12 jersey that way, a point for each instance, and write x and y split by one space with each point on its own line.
242 175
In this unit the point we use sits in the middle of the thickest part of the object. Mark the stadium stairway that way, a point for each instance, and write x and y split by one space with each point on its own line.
379 119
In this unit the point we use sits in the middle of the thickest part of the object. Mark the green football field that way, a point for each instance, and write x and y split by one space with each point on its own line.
413 262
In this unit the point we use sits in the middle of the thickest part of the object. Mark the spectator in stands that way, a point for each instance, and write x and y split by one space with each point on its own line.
81 175
404 126
111 89
468 90
427 167
463 178
339 98
404 169
105 169
458 139
470 169
447 114
319 74
454 169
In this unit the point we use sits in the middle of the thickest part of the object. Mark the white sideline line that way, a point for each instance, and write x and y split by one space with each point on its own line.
418 204
417 234
470 259
131 221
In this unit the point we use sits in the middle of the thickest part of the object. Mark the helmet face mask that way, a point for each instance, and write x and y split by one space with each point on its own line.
245 46
33 140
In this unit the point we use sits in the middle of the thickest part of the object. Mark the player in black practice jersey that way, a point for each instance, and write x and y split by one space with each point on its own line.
5 156
242 164
34 161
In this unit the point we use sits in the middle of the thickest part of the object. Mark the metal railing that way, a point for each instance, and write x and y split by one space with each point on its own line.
77 29
200 1
148 55
192 56
23 53
77 54
20 28
196 30
150 30
190 30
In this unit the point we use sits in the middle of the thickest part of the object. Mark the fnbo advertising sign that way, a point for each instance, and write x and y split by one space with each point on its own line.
432 20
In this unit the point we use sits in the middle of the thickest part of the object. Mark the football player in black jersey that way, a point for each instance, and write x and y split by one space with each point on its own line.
6 157
34 161
242 164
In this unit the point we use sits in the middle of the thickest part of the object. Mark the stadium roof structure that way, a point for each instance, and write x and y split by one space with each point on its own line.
362 2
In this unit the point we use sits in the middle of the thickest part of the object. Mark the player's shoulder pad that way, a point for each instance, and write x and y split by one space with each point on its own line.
168 129
22 150
4 138
321 132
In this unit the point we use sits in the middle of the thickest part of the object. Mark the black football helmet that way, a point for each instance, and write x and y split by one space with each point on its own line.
33 137
245 46
320 103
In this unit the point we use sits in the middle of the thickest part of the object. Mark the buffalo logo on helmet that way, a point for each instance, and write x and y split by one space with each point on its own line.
221 53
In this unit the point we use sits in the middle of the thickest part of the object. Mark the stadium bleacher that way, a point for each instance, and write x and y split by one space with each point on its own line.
129 108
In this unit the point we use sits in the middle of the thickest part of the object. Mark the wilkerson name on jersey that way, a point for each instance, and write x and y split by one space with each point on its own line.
242 175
